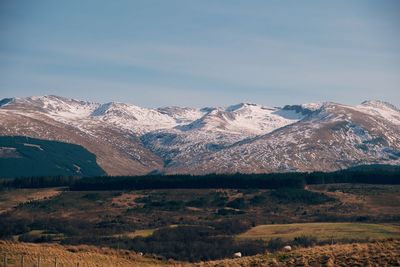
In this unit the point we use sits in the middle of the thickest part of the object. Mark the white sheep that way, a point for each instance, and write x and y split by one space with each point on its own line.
237 255
287 248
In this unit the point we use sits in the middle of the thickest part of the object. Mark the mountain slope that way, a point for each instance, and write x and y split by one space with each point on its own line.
330 138
118 152
246 137
219 128
23 156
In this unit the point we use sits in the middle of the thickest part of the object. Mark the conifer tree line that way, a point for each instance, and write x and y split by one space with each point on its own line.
370 174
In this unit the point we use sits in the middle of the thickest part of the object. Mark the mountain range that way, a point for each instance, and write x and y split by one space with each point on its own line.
248 138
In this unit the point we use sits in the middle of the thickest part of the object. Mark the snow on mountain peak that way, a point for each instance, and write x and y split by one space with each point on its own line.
312 106
383 109
244 118
183 115
247 119
242 106
57 106
240 137
133 118
379 104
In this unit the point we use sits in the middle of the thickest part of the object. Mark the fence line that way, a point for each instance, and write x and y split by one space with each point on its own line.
12 261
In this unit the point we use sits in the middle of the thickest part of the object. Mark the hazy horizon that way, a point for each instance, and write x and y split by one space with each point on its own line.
194 106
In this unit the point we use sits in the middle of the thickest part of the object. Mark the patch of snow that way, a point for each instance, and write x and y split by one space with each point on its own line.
133 118
183 115
33 145
382 109
312 106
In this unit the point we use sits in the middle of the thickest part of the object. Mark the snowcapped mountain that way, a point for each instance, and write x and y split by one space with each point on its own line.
245 137
381 109
132 118
333 137
218 128
245 118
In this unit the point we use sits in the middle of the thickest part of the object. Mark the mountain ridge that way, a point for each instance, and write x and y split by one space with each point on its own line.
244 137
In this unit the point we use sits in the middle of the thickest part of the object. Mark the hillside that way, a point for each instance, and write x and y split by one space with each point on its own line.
202 224
88 256
384 253
245 137
358 254
23 156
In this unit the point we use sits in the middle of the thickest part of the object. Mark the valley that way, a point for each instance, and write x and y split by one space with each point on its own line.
177 226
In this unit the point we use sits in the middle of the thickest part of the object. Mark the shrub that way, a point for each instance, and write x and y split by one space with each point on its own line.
35 238
218 199
237 203
300 196
226 211
275 244
92 196
258 199
232 226
198 202
305 241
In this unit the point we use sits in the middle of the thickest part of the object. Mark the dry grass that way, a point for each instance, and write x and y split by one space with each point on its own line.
11 199
384 203
385 253
323 231
380 254
369 199
87 256
127 200
143 232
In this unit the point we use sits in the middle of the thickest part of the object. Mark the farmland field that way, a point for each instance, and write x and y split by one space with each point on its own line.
323 231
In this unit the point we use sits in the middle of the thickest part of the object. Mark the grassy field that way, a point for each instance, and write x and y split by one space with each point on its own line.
366 254
384 253
88 256
141 220
370 199
323 231
12 198
143 232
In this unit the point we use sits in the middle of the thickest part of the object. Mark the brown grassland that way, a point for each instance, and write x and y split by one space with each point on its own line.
109 228
12 198
377 253
323 231
88 256
384 253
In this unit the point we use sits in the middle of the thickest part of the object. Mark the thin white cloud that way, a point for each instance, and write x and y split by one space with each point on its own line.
259 64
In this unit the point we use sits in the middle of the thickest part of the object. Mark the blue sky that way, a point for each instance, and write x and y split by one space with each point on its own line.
201 53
